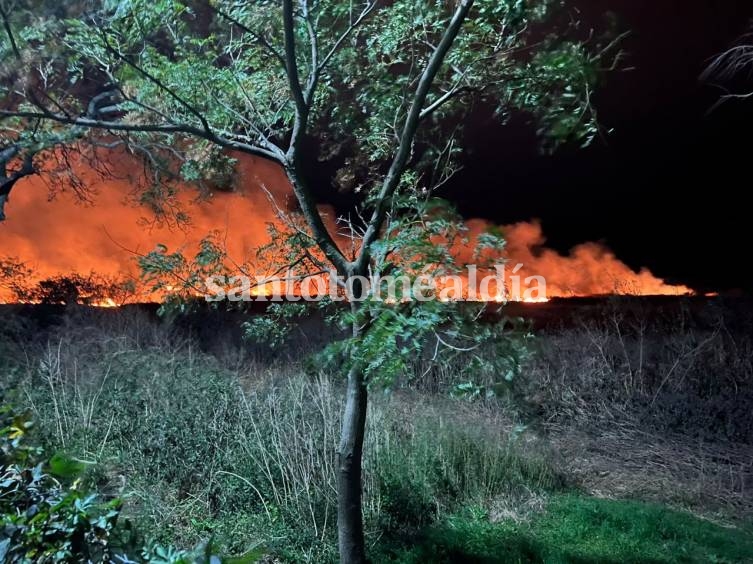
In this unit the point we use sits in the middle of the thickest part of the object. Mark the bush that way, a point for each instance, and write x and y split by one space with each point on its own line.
243 452
47 516
675 370
42 518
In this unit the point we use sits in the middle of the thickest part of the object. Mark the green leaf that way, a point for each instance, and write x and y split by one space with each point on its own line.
66 467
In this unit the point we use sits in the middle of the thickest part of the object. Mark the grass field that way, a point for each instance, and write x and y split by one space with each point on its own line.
577 529
617 445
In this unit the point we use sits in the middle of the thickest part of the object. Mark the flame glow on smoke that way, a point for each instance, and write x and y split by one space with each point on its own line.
61 235
589 269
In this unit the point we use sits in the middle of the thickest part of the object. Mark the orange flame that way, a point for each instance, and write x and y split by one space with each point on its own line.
589 269
59 235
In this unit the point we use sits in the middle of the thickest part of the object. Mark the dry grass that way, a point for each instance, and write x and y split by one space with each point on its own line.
622 461
246 449
651 405
628 402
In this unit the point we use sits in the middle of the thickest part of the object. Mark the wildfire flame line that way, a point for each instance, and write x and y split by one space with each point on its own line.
62 235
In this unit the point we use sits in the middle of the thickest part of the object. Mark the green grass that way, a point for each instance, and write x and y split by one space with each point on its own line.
579 530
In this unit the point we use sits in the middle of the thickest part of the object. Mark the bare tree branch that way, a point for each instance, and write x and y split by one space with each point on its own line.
90 123
313 78
735 64
730 64
157 82
9 31
8 181
446 97
292 166
294 80
257 36
353 26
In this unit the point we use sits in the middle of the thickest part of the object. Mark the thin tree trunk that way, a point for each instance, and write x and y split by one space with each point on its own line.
351 542
349 514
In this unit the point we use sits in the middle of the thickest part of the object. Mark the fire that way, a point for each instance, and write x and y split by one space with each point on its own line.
541 300
59 235
589 269
525 299
105 303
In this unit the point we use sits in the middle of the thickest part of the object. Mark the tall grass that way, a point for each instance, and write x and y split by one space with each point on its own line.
681 370
652 401
241 446
248 456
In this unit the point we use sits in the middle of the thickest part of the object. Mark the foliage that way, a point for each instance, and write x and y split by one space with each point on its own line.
176 80
424 244
185 82
20 282
177 281
90 289
44 520
444 478
194 452
275 326
14 275
47 515
425 241
177 59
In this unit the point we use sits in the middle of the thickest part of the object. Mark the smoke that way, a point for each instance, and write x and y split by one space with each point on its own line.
588 269
61 235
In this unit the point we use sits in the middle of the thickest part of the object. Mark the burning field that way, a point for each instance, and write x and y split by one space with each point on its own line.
57 232
630 405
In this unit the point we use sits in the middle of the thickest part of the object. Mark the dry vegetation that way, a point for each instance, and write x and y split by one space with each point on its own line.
652 403
203 434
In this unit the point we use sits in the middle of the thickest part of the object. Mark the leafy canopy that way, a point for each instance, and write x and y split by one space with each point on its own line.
217 70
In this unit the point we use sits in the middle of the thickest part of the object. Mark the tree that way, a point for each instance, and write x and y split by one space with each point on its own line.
380 87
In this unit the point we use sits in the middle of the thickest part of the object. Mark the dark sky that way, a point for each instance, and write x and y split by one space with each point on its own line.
663 190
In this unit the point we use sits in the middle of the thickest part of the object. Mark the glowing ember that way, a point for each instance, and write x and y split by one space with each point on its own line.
541 300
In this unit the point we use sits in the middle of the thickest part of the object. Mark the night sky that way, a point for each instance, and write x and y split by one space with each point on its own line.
637 190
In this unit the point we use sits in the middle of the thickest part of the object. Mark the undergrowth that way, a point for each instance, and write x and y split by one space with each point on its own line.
202 446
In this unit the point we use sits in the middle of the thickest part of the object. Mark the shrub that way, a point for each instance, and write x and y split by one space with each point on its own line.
673 369
199 450
47 516
202 445
42 518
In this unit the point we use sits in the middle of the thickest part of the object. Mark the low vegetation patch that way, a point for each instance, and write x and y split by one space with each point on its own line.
186 447
581 530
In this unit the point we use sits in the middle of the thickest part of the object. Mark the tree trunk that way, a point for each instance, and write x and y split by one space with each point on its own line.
350 453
